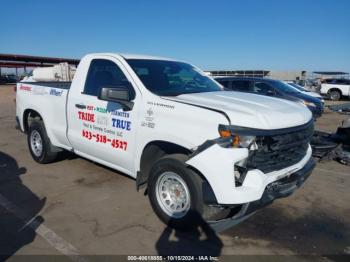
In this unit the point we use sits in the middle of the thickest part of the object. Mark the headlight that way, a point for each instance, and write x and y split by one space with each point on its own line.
309 104
230 139
245 141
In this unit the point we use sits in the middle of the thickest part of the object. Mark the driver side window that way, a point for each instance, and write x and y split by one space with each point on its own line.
104 73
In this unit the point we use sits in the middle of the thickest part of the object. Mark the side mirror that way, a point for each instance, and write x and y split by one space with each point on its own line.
120 94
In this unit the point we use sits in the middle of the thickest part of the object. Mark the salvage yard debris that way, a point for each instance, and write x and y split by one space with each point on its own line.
342 108
327 146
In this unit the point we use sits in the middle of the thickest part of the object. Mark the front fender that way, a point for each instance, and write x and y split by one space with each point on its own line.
216 164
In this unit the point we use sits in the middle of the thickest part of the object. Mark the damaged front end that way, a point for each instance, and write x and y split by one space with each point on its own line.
275 190
247 169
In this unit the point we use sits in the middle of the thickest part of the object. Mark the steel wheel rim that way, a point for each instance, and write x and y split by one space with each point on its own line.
36 143
173 195
334 96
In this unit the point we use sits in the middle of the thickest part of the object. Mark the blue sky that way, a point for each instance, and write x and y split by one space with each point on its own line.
250 34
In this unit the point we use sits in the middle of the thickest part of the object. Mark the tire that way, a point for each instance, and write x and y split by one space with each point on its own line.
39 143
335 95
172 168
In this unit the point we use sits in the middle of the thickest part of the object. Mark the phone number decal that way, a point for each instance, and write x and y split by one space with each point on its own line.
98 138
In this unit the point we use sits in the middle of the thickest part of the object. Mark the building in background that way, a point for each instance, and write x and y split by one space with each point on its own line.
279 75
19 65
239 73
23 64
329 74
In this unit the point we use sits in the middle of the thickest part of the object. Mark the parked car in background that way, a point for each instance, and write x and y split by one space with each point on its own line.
335 89
9 79
271 87
306 91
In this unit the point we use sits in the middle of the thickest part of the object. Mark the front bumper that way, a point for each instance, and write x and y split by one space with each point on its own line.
216 164
278 189
283 187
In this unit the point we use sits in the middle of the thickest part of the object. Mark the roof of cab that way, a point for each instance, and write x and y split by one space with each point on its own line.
149 57
136 56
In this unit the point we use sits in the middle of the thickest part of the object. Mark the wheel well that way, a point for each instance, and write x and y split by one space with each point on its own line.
28 116
151 153
335 89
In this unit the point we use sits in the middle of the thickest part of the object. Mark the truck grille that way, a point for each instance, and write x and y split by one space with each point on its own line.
278 151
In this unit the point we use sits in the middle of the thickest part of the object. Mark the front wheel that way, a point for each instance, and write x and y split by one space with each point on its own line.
175 193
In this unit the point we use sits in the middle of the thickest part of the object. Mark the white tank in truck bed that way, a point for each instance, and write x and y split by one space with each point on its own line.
61 72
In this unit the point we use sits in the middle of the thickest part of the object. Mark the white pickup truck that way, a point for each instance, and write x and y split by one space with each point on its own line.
198 149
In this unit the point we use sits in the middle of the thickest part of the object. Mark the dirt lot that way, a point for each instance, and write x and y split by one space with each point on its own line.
83 208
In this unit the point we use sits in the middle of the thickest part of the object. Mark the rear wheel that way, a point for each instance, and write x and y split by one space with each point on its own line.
175 193
39 143
335 95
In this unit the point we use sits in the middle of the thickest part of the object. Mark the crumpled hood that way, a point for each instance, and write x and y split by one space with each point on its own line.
250 110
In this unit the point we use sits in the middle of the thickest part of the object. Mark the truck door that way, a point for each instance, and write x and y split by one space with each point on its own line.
103 130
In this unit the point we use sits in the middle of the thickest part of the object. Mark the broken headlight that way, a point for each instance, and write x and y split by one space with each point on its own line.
230 138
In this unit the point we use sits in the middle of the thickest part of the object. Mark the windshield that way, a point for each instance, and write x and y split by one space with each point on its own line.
170 78
284 87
